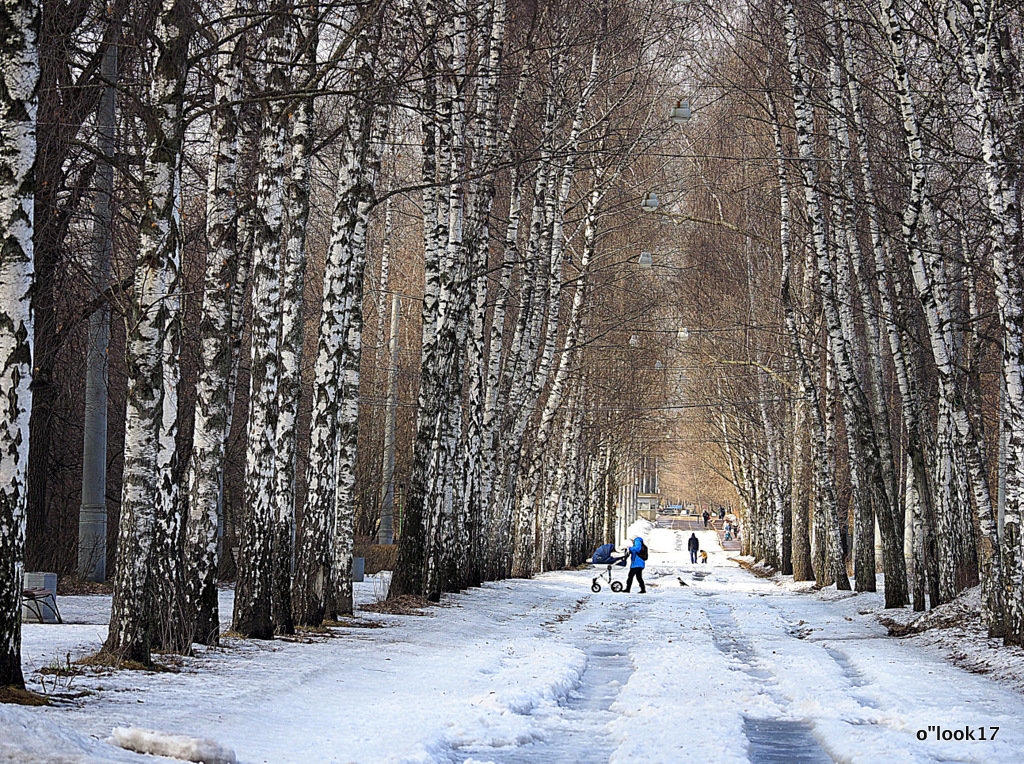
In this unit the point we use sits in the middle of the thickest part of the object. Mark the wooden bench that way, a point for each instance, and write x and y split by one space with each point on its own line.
38 599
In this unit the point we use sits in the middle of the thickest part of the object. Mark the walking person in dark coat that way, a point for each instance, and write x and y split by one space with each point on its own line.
707 516
694 546
636 565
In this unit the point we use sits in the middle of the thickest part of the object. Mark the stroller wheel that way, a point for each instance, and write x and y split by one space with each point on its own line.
595 587
616 586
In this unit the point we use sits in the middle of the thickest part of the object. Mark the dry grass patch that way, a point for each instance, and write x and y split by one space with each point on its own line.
112 661
355 623
759 568
307 636
62 667
405 604
19 696
378 556
70 585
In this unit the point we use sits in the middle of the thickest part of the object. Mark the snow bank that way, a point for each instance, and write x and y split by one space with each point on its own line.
172 746
640 528
27 736
661 540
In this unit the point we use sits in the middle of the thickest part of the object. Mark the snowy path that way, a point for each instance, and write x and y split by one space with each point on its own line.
727 669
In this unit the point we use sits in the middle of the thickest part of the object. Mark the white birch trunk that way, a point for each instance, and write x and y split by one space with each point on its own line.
253 616
524 540
853 395
324 546
293 284
19 79
827 535
890 523
476 454
444 537
214 394
167 576
894 316
148 320
930 281
996 87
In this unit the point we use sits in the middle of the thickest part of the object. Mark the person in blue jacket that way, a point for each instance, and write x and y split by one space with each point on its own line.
636 565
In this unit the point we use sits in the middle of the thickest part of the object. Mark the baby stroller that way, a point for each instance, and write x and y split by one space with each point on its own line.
603 555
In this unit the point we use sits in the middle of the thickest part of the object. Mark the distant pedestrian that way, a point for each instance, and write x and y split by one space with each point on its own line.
721 513
694 546
703 556
707 516
637 558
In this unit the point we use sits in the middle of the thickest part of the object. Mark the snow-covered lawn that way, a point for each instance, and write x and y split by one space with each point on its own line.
500 673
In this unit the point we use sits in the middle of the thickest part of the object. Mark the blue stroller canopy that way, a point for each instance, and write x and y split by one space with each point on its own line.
603 556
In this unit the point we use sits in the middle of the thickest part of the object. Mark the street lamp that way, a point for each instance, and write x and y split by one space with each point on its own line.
646 260
681 113
650 203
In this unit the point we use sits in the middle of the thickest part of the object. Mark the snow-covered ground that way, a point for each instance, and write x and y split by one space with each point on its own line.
729 668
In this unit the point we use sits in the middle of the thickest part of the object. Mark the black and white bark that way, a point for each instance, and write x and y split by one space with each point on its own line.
893 311
557 392
330 474
930 279
149 317
999 105
555 206
293 283
254 593
829 541
223 284
479 424
854 399
19 79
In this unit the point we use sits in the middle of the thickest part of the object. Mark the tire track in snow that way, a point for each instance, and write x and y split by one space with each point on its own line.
769 740
575 728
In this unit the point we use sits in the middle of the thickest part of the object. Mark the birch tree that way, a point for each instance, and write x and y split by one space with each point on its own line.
923 253
829 543
220 327
293 282
253 614
999 104
336 383
149 316
19 78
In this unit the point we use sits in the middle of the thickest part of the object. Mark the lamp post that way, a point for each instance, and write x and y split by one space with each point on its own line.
386 531
92 518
